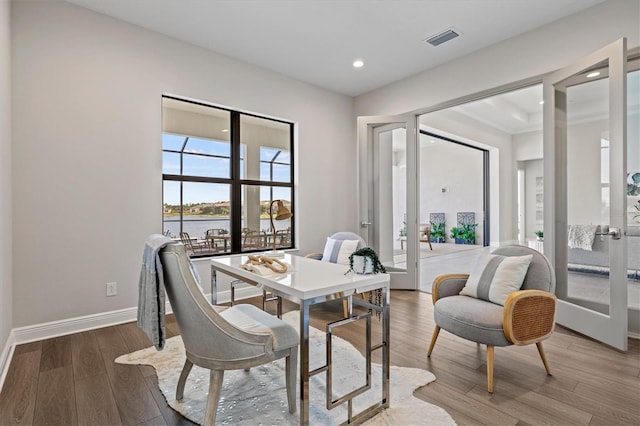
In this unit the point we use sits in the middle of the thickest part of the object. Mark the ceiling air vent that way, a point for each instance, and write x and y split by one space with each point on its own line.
442 37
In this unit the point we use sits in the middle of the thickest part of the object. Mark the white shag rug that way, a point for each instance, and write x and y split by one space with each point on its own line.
259 395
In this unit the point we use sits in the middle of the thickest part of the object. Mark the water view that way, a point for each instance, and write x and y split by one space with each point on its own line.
196 226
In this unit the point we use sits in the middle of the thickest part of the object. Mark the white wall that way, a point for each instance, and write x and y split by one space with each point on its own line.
533 170
528 55
583 182
502 219
527 146
459 170
6 310
87 151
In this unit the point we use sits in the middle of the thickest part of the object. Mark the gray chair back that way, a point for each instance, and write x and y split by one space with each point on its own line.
540 275
349 236
206 335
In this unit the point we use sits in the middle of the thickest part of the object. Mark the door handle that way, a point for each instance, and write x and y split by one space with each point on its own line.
364 224
615 233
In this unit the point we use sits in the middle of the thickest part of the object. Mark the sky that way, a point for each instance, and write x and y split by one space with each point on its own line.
216 165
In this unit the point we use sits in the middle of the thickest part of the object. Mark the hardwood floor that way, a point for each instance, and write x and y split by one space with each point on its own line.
73 380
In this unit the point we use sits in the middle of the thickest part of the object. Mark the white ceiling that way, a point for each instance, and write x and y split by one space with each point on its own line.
316 41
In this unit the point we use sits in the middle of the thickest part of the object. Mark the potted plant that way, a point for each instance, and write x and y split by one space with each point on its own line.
464 234
633 184
365 261
539 234
437 232
403 231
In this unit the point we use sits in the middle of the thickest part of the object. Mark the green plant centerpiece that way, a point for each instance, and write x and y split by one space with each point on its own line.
365 261
465 233
539 234
437 232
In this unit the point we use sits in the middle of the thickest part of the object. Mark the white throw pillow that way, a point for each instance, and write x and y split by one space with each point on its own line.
338 251
495 277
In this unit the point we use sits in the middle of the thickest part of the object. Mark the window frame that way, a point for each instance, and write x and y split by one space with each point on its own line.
234 181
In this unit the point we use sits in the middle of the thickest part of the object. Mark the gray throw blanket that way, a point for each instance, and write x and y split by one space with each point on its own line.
151 295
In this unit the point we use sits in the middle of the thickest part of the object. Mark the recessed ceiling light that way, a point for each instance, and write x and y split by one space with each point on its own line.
541 102
224 130
593 74
358 63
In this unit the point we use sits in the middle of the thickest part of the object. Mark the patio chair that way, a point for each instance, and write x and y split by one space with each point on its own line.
194 247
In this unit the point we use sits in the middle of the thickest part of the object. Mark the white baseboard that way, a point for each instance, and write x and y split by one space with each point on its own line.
33 333
5 357
48 330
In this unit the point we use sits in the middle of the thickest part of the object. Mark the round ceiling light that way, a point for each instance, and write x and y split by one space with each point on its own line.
358 63
593 74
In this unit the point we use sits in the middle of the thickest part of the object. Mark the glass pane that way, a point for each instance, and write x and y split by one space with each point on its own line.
588 201
194 120
281 173
171 208
206 166
172 142
390 196
257 204
266 149
170 163
206 146
206 216
633 188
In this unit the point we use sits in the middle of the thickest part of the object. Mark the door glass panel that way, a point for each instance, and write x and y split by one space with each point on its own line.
588 190
387 194
633 189
390 197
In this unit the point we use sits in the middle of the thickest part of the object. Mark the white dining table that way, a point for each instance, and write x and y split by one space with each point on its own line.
308 282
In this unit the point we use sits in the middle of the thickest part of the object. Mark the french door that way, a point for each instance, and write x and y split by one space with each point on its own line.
585 169
387 207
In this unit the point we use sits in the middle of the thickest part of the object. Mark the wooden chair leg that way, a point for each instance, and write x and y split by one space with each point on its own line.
434 337
291 364
215 386
490 368
544 358
183 379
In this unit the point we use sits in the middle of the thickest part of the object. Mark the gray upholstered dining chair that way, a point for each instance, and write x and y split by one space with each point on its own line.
219 339
340 236
527 316
334 252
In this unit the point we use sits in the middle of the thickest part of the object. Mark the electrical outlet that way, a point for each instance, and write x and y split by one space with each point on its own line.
112 289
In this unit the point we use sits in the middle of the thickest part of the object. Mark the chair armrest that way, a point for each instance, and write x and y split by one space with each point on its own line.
316 256
448 285
529 316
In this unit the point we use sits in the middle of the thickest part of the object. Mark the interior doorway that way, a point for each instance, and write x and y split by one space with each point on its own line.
454 190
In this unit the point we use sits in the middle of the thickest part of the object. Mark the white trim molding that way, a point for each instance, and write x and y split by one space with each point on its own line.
6 357
33 333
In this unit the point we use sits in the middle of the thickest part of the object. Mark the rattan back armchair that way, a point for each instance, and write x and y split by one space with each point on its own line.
528 315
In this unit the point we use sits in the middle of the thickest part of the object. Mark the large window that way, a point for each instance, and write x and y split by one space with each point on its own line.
223 174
